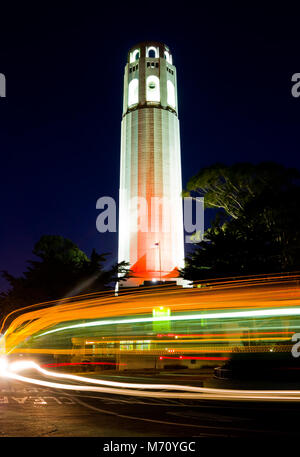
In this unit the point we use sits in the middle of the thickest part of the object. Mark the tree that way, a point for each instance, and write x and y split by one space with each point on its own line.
62 270
231 187
260 234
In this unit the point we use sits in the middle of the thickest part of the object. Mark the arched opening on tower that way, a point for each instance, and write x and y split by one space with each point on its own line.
133 92
152 52
168 57
171 94
134 55
153 89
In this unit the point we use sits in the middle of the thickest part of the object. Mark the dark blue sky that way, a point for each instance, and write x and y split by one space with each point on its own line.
60 121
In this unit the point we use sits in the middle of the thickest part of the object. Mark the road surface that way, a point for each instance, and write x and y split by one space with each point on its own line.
30 411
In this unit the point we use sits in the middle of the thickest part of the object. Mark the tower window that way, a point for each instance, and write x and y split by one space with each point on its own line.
171 94
152 89
168 57
133 92
152 52
134 55
156 64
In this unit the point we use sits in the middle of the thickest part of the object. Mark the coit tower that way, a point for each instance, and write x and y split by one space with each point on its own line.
150 206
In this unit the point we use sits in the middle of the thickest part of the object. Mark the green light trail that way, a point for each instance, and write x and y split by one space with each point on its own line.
219 315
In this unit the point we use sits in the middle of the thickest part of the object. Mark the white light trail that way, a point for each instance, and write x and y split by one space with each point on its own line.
132 389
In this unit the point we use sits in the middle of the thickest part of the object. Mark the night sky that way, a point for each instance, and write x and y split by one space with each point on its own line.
60 121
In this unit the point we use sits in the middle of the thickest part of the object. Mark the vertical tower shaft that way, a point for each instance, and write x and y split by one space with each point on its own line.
150 207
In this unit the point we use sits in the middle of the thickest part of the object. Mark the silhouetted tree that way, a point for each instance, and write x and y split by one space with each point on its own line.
260 234
62 270
231 187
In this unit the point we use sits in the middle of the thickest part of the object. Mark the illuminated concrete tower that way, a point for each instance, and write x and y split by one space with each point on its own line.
150 207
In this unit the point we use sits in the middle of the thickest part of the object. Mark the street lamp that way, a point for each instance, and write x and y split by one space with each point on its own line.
158 244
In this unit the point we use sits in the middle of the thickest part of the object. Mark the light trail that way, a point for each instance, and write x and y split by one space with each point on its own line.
224 315
185 392
68 364
182 357
213 323
274 292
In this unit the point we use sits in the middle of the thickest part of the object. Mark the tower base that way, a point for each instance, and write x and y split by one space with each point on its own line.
139 282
